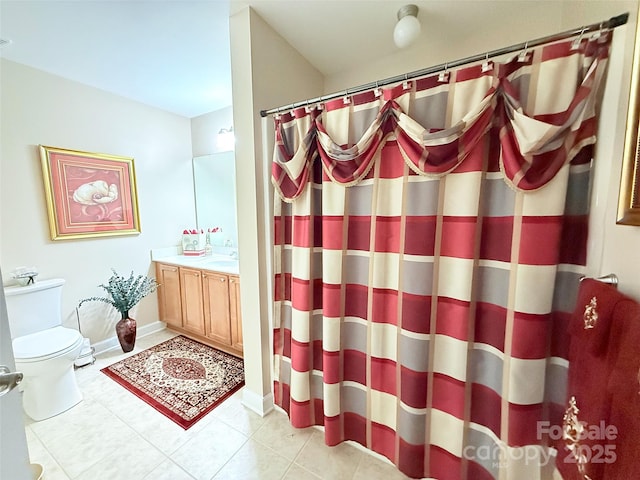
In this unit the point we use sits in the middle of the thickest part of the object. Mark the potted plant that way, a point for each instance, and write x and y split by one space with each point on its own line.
124 294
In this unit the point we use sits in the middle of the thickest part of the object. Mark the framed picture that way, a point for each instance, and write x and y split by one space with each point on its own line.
89 194
629 197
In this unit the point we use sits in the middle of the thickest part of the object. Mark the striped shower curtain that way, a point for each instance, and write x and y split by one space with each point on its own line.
428 243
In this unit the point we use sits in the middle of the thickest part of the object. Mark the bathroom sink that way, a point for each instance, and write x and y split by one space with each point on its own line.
221 262
229 265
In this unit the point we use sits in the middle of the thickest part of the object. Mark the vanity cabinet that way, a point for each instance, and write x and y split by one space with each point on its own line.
216 307
236 316
192 299
169 299
203 304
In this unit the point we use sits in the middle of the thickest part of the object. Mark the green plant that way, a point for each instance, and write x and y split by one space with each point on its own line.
125 293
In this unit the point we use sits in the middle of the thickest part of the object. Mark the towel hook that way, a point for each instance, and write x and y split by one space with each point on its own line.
611 279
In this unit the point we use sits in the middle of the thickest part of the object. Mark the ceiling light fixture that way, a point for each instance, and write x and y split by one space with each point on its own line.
407 29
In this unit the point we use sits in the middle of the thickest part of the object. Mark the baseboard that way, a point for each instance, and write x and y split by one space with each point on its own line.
256 403
112 342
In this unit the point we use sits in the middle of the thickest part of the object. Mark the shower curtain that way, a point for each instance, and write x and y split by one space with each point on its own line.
428 243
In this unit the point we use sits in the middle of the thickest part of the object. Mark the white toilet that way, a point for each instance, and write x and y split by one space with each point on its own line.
44 350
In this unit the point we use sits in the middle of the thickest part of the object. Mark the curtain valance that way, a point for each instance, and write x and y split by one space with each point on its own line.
535 111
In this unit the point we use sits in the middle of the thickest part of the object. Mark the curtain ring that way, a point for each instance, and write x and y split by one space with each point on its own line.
578 41
486 66
599 33
377 92
444 76
524 55
405 84
346 100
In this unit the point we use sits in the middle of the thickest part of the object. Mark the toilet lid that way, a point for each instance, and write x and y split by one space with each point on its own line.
47 343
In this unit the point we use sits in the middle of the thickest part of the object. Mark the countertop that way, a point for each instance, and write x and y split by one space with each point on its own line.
214 262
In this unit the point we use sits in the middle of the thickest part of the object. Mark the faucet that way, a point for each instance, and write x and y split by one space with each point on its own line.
234 255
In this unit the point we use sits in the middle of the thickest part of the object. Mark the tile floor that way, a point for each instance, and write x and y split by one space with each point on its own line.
114 435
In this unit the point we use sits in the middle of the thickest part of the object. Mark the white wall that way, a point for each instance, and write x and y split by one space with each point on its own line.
513 22
205 128
39 108
267 72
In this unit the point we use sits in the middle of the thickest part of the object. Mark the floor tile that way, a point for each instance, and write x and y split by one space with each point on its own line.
339 462
78 451
207 451
296 472
277 433
39 454
168 470
372 467
254 461
135 458
234 413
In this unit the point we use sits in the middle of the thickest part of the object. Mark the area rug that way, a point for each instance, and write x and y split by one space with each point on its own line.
181 378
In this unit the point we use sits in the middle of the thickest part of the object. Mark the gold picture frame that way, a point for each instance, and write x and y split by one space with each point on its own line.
629 196
89 194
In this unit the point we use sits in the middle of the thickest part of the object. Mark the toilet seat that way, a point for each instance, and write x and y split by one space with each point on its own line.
46 344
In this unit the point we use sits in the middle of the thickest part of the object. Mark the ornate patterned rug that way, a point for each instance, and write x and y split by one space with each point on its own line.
181 378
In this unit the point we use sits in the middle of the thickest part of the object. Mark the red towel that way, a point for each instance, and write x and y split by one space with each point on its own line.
592 355
623 387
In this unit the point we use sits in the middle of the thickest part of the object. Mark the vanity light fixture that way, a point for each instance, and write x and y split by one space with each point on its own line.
407 29
226 139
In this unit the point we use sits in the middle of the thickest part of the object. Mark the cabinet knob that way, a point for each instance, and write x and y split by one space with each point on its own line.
222 279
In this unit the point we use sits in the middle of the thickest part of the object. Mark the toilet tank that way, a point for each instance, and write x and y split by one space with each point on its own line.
35 307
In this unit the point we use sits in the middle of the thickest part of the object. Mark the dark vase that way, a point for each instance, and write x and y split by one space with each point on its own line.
126 332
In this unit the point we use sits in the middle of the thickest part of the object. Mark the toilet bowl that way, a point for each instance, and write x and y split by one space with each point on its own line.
46 360
44 350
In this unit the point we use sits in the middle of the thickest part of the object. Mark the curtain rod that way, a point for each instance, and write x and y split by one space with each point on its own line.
613 22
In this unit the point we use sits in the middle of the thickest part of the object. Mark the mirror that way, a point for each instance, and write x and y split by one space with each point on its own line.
214 181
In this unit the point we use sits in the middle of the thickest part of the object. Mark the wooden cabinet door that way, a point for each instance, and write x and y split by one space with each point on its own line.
169 304
216 307
191 294
235 313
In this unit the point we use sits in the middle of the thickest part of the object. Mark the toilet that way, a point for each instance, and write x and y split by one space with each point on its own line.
44 350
